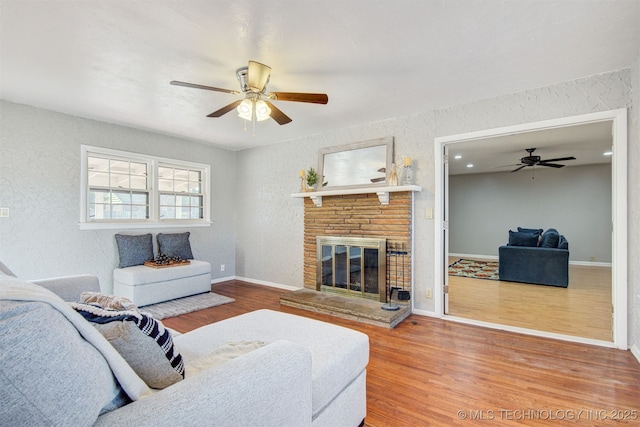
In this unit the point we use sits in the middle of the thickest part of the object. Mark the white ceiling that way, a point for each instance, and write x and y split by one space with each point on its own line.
376 59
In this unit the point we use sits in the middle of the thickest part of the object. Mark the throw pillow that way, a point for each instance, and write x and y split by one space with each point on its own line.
517 238
550 238
134 250
110 302
536 231
563 243
175 245
141 340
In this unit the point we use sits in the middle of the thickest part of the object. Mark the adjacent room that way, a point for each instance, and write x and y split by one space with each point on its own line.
327 213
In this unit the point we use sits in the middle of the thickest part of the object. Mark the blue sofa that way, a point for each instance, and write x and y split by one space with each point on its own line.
535 257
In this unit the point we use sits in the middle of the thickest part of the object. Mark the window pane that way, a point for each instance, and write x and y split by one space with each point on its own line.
140 199
196 213
99 196
168 199
139 182
167 212
138 169
196 201
165 185
181 186
102 211
165 173
98 179
96 164
139 212
182 212
194 187
194 176
119 166
119 198
119 181
181 174
182 200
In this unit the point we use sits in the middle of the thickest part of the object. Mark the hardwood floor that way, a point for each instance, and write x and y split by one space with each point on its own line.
583 309
430 371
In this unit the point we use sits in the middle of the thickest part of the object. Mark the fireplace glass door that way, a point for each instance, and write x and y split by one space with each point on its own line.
352 265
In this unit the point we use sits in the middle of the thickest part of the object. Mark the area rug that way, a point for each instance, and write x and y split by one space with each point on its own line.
184 305
475 269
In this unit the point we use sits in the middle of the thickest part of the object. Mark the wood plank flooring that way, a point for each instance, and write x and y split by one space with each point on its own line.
430 371
583 309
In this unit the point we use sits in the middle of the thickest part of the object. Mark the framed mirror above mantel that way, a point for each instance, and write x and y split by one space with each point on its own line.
356 165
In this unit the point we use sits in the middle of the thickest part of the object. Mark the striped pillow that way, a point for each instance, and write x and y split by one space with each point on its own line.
141 340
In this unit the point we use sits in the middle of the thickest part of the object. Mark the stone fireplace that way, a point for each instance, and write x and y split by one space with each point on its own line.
346 235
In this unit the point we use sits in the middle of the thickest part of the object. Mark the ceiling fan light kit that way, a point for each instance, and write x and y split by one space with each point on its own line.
253 83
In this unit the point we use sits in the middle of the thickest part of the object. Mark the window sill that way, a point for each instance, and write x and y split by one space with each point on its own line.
140 225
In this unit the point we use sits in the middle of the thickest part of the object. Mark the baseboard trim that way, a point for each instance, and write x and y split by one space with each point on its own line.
636 352
221 279
495 257
425 313
265 283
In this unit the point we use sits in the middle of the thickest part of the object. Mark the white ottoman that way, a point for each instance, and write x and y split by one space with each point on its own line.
339 358
147 285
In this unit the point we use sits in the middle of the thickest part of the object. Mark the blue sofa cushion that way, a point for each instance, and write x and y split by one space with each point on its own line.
536 231
550 239
517 238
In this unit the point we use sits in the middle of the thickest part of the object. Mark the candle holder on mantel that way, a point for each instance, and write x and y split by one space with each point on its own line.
407 172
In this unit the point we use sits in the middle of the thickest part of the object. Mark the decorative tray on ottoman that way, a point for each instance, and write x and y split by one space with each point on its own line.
153 264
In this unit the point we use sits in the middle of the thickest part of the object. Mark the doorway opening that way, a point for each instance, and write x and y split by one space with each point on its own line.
618 121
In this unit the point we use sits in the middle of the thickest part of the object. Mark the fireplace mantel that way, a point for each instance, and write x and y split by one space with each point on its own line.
382 192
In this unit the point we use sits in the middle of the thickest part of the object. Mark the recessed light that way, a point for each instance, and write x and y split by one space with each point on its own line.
457 156
607 153
470 165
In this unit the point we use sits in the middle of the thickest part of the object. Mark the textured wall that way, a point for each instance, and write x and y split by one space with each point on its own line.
575 200
274 252
40 183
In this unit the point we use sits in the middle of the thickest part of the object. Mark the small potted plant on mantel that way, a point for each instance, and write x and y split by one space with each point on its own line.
312 179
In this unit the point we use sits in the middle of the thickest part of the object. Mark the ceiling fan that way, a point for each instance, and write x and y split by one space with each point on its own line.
257 105
532 160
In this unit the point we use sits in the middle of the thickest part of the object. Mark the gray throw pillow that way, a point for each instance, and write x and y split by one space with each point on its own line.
175 245
134 250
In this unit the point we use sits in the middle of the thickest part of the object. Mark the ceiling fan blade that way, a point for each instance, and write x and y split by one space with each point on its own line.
278 115
224 110
196 86
315 98
258 75
506 166
561 159
552 165
517 169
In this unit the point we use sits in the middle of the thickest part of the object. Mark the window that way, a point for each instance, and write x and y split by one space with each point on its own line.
121 189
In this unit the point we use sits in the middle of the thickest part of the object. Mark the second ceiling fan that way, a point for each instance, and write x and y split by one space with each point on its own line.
257 105
532 160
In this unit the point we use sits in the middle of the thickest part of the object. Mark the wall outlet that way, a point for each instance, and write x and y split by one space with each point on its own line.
4 212
429 294
221 267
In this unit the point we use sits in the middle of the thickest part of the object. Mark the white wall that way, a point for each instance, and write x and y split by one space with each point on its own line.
274 251
40 184
575 200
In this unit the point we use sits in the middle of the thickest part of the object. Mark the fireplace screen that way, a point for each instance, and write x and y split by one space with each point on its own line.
352 265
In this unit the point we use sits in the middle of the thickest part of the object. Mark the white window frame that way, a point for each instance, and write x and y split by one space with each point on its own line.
154 220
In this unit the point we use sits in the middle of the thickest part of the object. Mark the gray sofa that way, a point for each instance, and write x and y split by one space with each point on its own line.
57 369
542 259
